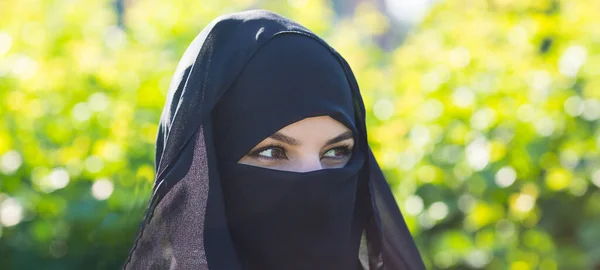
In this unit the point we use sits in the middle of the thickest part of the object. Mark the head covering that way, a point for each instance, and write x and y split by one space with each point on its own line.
244 77
287 220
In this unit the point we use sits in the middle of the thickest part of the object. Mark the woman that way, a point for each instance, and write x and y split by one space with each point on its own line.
262 160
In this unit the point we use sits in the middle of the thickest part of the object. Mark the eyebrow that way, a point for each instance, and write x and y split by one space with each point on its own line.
285 139
291 141
342 137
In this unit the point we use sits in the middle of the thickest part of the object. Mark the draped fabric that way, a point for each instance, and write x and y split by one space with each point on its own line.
283 219
245 76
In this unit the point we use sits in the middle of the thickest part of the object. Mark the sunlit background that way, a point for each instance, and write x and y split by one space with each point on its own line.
483 113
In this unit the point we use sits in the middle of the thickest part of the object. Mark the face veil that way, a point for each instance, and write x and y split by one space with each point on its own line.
277 219
245 76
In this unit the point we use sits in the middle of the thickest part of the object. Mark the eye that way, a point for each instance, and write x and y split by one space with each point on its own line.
338 152
270 153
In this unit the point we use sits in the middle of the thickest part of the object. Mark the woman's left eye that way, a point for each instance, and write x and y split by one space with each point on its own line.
338 152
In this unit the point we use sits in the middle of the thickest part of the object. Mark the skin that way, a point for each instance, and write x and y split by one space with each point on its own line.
311 144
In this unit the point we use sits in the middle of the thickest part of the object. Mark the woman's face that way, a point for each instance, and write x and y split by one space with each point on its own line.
310 144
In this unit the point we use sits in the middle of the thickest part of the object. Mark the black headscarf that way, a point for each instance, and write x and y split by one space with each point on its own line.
243 78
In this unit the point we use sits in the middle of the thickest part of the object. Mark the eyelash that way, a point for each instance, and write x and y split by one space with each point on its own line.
347 150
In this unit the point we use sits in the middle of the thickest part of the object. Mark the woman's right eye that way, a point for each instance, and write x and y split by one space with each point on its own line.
270 153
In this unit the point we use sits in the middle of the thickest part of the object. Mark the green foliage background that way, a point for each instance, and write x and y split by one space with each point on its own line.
485 120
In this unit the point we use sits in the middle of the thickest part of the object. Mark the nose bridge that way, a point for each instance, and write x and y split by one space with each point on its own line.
309 163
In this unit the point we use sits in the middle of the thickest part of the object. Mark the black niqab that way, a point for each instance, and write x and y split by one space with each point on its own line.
289 78
244 77
286 220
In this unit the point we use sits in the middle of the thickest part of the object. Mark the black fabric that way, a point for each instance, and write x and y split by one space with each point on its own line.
288 220
291 77
244 77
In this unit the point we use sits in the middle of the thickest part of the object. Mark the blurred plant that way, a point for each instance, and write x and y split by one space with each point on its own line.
485 121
